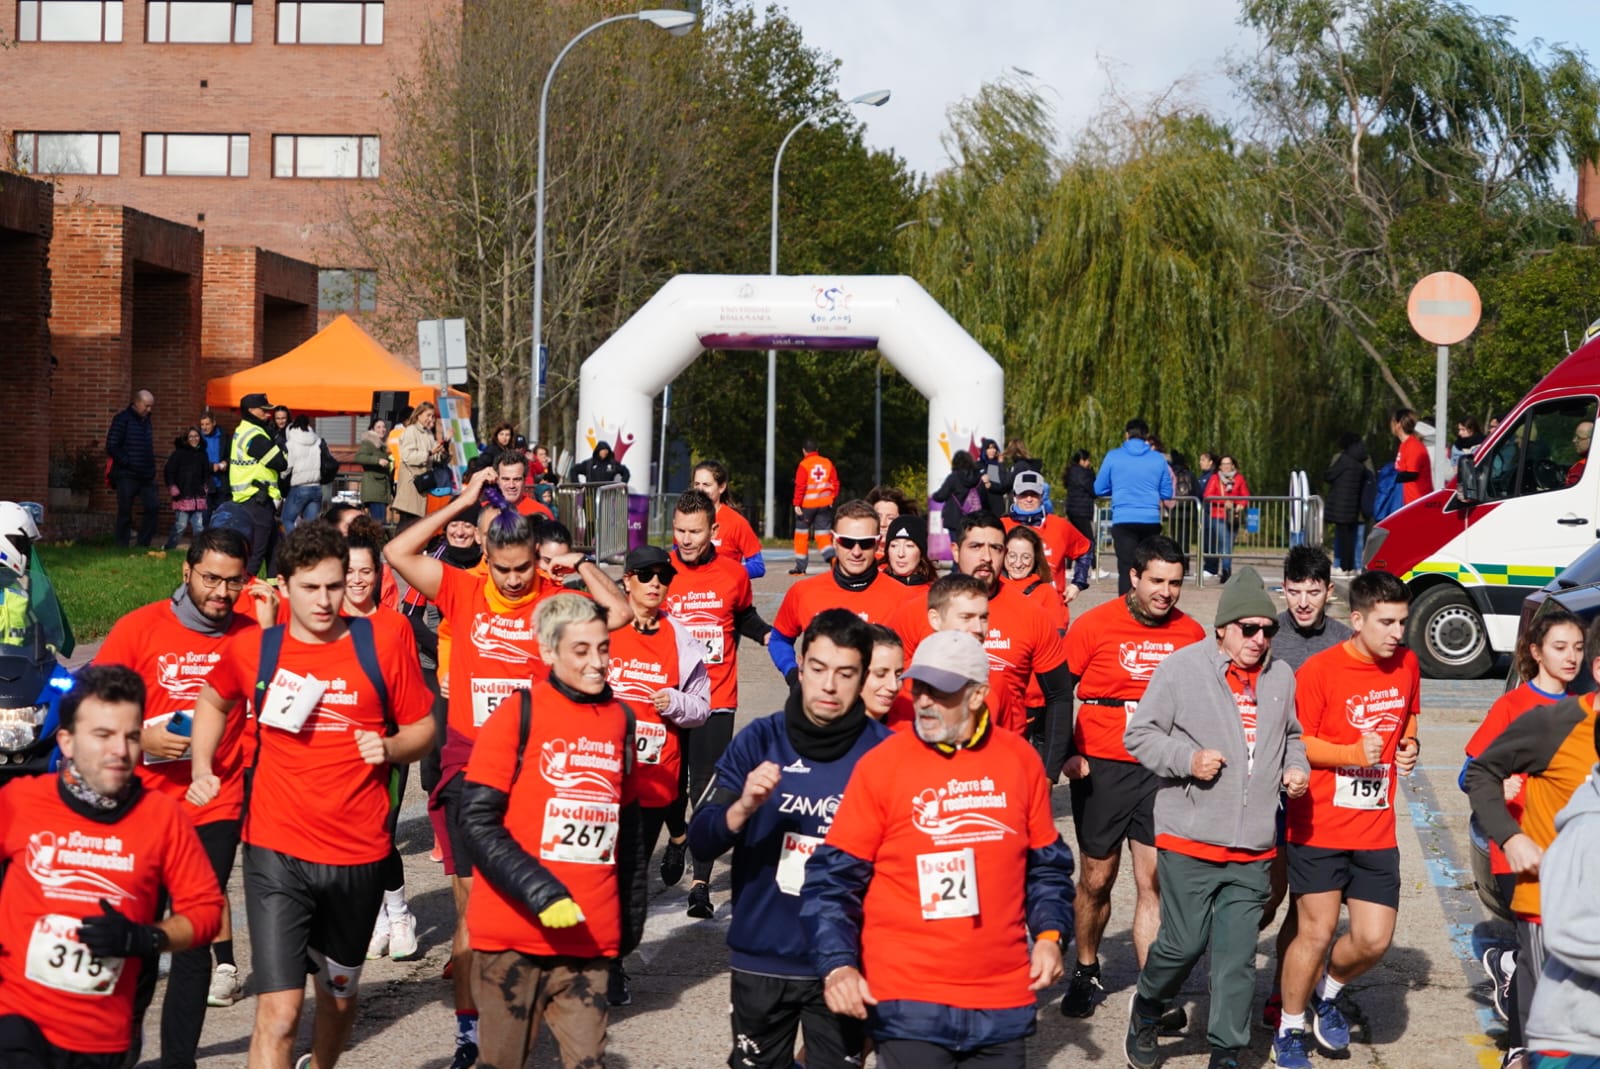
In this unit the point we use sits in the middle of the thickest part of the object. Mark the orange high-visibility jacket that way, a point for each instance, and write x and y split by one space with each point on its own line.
816 483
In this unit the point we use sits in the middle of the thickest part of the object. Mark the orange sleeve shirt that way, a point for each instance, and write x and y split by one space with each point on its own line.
735 534
1340 696
641 665
1506 708
816 483
705 599
491 653
876 604
948 839
1113 655
563 810
174 663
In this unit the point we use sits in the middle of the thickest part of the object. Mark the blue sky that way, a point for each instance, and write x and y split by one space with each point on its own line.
932 53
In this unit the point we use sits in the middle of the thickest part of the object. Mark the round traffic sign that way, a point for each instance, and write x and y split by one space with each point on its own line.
1444 308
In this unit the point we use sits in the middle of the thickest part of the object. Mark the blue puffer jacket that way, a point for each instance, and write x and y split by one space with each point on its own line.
130 443
1137 480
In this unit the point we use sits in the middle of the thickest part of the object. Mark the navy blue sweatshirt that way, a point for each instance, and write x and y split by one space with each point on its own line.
768 859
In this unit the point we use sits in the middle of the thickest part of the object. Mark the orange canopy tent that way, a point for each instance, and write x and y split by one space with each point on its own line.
333 373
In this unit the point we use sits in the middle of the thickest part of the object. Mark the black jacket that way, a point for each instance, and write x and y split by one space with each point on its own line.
953 492
999 473
1346 473
1080 491
602 467
188 468
130 443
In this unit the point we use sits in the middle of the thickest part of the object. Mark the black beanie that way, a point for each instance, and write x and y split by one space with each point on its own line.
912 527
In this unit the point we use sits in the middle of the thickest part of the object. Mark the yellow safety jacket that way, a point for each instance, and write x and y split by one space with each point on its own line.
247 477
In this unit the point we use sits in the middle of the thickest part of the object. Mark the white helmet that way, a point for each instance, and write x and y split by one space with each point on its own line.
18 532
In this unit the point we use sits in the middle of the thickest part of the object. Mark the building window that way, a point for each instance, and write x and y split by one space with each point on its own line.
343 289
315 156
67 153
319 22
203 155
69 20
181 22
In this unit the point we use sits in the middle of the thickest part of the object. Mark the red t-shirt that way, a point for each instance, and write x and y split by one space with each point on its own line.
735 534
642 664
1506 708
1413 456
532 506
1041 594
563 810
948 839
705 598
312 796
910 622
492 653
1337 697
1063 544
1113 655
875 604
174 662
61 866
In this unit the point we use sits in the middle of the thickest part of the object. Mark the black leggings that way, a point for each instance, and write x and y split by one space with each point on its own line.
394 870
706 744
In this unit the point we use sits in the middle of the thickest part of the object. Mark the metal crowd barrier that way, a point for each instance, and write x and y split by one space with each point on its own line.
597 516
1254 530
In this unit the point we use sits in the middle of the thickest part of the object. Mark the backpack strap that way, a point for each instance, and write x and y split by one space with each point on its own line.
266 668
629 751
362 634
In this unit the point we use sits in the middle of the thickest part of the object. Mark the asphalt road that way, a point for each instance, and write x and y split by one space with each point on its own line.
1424 1006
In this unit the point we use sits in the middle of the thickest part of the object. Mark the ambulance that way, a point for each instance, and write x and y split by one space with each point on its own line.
1521 508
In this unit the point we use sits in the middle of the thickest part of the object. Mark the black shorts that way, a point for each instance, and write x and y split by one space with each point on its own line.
767 1012
459 863
295 907
1116 801
1364 875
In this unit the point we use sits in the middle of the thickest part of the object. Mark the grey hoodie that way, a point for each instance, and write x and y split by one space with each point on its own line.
1189 707
1566 1004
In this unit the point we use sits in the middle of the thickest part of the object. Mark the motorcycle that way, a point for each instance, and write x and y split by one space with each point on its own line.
32 684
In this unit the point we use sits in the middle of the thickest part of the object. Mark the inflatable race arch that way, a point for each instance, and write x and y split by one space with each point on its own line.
891 313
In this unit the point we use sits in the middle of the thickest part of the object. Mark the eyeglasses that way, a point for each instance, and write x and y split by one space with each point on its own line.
659 573
211 582
1252 630
856 543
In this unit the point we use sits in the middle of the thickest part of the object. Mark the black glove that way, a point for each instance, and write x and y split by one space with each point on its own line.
112 935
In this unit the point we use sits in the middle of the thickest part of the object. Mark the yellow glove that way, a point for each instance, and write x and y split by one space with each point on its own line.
562 914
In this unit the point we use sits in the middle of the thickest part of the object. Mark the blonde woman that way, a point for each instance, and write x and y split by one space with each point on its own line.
420 447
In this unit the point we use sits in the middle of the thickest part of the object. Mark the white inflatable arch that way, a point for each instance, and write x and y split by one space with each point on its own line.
891 313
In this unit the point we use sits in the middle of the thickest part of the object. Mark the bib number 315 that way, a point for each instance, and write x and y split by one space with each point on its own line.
56 959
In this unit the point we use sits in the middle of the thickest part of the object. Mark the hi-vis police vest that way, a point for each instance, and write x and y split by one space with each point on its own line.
246 477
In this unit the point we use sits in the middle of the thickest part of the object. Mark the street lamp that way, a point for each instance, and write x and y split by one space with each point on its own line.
877 98
677 23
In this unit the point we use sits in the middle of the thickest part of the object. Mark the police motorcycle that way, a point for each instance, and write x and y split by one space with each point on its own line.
33 632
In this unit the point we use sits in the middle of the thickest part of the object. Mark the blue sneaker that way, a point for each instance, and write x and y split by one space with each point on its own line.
1328 1026
1292 1049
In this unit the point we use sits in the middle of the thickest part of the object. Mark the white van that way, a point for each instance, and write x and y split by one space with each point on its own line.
1523 507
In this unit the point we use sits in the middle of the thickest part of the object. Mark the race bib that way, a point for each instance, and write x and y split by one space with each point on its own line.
1355 787
947 884
797 850
487 694
581 832
710 637
56 959
649 739
291 700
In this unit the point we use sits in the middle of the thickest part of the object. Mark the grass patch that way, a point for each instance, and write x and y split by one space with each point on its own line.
99 583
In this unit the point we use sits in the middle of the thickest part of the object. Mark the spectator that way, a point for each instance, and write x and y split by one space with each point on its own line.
1017 459
503 440
377 484
1348 477
960 493
1412 468
187 473
1223 516
217 456
1137 480
602 467
1582 436
131 446
1079 481
1468 438
280 425
995 475
419 449
305 473
540 468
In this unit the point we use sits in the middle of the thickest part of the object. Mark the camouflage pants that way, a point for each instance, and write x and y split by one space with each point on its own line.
515 991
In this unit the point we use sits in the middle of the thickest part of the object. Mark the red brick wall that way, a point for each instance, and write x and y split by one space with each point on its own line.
25 224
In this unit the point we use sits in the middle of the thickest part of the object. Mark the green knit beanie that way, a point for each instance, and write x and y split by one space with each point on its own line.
1244 596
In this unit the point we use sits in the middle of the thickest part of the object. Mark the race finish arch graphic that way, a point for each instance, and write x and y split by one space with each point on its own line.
692 313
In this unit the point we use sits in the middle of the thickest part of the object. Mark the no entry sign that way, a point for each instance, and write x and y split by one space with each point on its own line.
1444 308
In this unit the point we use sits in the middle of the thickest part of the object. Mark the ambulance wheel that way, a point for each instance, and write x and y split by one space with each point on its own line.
1448 635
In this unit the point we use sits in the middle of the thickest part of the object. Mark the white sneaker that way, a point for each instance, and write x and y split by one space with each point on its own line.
225 986
403 936
378 945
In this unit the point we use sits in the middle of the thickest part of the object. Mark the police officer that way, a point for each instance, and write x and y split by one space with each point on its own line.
255 464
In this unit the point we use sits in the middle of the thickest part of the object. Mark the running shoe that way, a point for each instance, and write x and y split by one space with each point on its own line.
403 936
1142 1048
1328 1026
225 987
436 855
1083 991
378 945
1501 965
700 906
466 1055
1292 1049
1223 1059
1272 1012
672 862
304 1062
1516 1058
617 993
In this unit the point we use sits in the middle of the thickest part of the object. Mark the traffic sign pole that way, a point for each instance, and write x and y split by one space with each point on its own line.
1441 400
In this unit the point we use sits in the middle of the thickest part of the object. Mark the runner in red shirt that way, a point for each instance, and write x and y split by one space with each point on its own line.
553 827
493 652
1413 469
955 602
88 852
1112 651
314 833
734 536
942 860
173 644
710 595
1063 543
1357 704
1028 572
854 582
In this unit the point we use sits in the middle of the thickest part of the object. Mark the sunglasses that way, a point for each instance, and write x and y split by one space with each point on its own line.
856 543
660 573
1252 630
